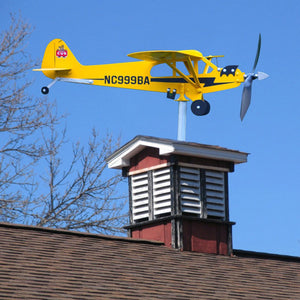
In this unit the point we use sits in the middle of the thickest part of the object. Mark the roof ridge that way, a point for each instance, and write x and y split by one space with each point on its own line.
236 252
265 255
78 233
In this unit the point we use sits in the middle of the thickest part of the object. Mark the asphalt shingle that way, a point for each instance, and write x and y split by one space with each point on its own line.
40 263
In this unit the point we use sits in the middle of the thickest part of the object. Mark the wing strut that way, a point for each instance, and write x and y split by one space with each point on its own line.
182 105
192 70
183 75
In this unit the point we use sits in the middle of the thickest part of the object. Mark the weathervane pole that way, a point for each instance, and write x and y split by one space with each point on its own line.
181 133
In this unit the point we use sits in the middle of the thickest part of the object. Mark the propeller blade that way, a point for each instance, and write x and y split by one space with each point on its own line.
246 96
262 75
257 53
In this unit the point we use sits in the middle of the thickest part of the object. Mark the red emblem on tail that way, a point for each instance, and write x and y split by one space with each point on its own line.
61 52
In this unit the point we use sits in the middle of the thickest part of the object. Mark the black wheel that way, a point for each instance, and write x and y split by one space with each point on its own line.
207 108
200 107
45 90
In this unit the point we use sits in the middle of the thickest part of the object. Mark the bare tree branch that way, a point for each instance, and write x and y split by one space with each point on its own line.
87 199
78 194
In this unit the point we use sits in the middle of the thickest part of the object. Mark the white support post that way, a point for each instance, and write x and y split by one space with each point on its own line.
181 133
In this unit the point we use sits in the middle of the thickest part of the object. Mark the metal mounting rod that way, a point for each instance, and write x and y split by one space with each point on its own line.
181 133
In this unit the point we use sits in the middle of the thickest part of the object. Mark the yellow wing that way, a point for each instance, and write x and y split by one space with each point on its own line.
165 55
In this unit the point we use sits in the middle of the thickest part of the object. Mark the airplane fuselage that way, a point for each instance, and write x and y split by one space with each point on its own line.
137 75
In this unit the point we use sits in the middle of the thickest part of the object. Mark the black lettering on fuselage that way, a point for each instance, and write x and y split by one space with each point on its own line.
113 79
146 81
107 79
140 79
126 79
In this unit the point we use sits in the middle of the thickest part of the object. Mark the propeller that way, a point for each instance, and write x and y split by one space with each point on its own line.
246 95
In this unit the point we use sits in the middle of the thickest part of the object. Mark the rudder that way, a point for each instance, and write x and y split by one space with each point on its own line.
58 57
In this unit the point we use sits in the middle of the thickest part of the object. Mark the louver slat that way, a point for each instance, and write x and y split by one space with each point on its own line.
140 199
215 194
190 191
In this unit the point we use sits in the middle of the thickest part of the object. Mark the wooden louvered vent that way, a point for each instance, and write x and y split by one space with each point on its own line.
203 198
201 193
215 194
140 197
190 191
162 192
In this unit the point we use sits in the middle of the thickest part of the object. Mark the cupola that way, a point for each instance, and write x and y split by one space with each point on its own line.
178 192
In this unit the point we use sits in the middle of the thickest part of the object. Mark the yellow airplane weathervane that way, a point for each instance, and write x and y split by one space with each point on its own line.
60 64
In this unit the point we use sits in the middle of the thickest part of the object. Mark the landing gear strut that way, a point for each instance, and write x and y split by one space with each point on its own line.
200 107
45 89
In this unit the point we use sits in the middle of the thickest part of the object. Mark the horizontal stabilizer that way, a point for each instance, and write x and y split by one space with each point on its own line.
213 56
52 69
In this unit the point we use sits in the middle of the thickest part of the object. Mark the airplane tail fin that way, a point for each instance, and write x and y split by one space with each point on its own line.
57 58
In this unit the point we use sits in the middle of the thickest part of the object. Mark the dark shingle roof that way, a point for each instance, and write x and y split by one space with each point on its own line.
40 263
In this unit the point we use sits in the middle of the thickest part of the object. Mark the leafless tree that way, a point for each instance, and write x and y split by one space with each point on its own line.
21 118
79 195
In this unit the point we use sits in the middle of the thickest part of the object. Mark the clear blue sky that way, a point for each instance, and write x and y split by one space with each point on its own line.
265 192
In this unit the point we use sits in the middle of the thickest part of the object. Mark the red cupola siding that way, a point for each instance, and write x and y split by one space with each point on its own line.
178 192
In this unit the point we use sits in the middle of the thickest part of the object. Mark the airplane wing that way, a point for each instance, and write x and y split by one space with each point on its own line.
171 57
165 55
